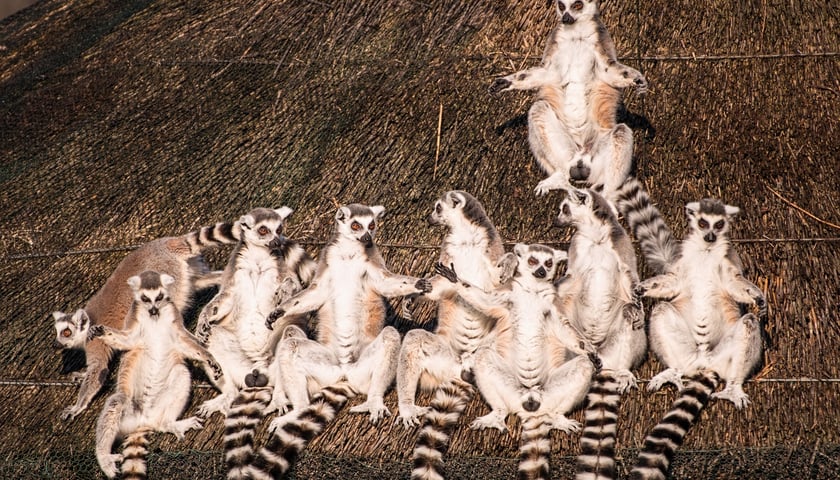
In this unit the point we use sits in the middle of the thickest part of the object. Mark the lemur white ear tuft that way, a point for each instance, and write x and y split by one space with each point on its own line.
284 212
342 213
81 319
166 280
57 315
457 200
731 211
247 221
560 255
520 249
692 208
378 211
134 282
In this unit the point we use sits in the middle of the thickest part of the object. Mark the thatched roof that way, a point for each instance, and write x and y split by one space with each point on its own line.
126 121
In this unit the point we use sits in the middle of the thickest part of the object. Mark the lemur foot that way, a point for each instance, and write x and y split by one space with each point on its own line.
494 419
410 415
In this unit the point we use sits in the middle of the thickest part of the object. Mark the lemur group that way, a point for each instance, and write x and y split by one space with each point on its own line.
288 336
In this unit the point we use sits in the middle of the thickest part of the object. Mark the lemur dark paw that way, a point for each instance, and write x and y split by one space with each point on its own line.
256 379
447 272
424 285
498 85
216 368
639 291
273 317
634 314
95 331
596 361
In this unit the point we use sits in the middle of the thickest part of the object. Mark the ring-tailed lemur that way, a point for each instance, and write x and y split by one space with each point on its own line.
437 360
179 257
537 366
597 296
353 344
572 126
666 437
702 321
700 328
264 269
154 384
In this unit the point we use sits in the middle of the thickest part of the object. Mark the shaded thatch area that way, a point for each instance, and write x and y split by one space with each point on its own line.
126 121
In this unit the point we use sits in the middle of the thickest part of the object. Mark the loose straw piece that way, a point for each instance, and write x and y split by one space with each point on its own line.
806 212
437 147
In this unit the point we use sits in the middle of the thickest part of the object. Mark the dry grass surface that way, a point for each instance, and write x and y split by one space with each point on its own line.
126 121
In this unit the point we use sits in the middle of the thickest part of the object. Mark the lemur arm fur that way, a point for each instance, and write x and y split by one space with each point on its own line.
663 286
305 301
390 284
609 69
192 348
116 339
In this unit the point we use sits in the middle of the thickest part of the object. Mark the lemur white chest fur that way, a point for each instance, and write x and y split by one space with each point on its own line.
531 307
575 69
158 342
348 261
257 280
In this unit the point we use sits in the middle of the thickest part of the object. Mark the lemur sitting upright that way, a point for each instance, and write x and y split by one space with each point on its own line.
179 257
154 384
572 126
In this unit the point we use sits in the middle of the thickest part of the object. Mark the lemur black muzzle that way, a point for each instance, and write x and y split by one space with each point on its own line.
540 273
568 19
710 237
366 239
154 311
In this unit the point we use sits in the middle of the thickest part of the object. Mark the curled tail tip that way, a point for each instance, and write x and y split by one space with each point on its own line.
135 451
222 233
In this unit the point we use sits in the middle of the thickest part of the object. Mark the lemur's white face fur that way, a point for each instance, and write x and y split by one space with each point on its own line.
582 207
710 218
151 290
264 227
358 222
537 263
570 11
71 330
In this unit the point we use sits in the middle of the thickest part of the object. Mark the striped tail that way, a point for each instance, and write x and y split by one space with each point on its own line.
295 430
534 450
134 455
645 220
448 403
246 412
597 442
662 442
222 233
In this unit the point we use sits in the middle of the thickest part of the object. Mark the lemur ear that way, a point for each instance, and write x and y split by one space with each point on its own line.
378 211
81 319
134 282
560 255
520 249
284 212
457 200
731 211
691 209
342 213
166 280
57 315
247 221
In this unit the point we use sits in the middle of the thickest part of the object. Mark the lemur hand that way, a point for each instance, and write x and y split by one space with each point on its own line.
273 317
95 331
499 85
596 361
447 272
424 285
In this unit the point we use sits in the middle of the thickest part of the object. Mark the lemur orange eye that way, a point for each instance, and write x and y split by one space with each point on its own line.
702 223
159 297
263 230
577 5
372 226
144 298
532 261
279 230
66 333
719 225
438 208
549 263
356 226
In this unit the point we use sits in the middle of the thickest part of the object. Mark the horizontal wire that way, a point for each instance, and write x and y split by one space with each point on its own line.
410 246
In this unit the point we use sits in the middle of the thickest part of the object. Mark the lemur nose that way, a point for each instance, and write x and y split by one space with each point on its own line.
568 19
540 273
366 238
153 311
710 237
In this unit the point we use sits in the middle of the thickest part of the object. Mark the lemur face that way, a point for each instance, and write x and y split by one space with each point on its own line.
359 222
710 218
577 205
264 227
71 330
537 262
570 11
448 209
151 290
